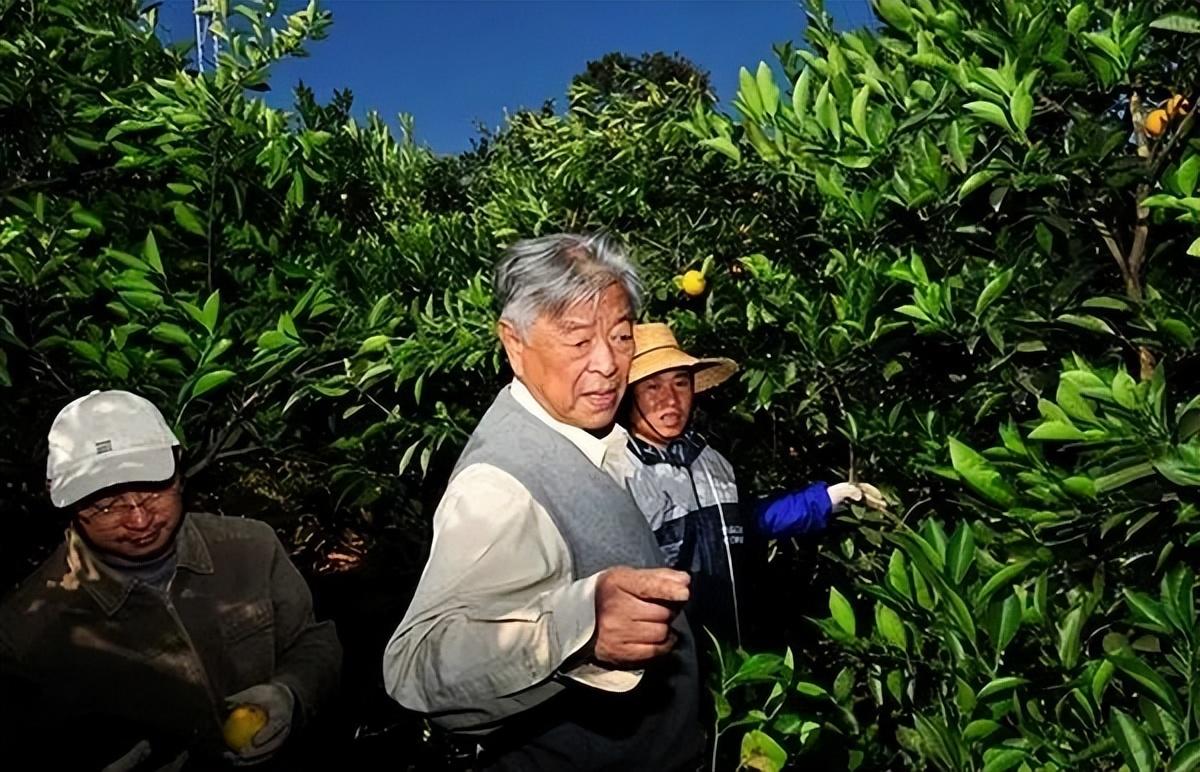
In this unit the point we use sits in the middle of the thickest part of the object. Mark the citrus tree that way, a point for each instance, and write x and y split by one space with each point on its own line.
1006 226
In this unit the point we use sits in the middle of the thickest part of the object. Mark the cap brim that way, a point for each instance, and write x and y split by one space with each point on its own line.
710 373
660 361
109 469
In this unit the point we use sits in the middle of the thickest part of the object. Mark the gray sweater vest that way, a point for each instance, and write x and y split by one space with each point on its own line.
560 724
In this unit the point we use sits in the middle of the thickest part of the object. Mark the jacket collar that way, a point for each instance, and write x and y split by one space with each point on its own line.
108 586
681 451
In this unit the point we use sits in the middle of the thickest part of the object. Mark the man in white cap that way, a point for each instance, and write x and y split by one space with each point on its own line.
147 627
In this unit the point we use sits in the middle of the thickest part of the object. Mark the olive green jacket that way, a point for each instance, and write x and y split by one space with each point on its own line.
84 647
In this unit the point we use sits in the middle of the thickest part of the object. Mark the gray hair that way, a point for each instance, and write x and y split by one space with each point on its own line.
548 274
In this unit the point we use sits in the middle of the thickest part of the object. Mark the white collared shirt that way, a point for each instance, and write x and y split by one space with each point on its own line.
497 609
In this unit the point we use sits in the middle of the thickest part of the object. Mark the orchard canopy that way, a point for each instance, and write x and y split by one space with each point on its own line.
956 253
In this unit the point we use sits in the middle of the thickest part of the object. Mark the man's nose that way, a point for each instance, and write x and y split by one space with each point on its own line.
604 358
139 517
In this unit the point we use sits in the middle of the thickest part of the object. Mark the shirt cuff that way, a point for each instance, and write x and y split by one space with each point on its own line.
575 623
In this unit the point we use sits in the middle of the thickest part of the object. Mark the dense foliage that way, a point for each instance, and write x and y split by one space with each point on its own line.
953 253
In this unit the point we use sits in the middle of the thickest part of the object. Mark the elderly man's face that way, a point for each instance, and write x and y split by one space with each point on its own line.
576 365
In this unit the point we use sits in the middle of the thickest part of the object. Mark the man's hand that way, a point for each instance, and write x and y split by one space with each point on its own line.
277 702
864 493
634 609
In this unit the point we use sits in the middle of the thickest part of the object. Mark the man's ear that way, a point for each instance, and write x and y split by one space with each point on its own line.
513 344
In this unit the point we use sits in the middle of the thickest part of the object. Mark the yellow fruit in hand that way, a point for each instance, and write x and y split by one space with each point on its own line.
242 724
693 283
1177 106
1156 123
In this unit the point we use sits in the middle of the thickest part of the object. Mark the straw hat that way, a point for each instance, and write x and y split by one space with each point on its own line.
656 350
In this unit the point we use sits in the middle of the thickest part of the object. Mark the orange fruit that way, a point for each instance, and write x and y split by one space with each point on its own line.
242 723
693 283
1156 123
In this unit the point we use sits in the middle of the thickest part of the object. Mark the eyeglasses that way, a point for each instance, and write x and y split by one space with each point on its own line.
119 508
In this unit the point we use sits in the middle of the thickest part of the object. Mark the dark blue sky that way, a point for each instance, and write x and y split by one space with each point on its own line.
453 63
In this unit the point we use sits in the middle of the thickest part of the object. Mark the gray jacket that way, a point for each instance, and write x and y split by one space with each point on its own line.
84 646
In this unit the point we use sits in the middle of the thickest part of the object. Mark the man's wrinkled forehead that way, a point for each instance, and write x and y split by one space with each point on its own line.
584 314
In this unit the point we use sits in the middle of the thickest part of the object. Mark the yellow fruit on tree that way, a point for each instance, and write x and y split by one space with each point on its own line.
1156 123
693 283
242 724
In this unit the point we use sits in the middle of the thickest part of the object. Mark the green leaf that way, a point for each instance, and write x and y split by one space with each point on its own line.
989 113
1123 477
185 215
1056 430
1194 249
1188 174
1124 390
172 333
1101 679
748 93
273 339
975 182
1087 322
858 113
1180 21
1157 687
895 13
827 112
897 576
1073 403
767 90
961 553
1069 638
761 752
841 611
994 289
150 252
1179 330
210 381
88 219
1009 623
1004 760
1077 18
1186 758
1139 753
979 729
211 312
1002 578
725 146
1021 106
998 685
810 689
979 474
890 626
373 344
802 95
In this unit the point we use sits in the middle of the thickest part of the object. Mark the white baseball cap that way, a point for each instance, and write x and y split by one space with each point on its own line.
107 438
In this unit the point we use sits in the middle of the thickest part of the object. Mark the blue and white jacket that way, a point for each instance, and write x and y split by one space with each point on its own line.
688 493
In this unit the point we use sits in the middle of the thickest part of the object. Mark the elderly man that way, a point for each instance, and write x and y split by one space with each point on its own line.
148 626
543 621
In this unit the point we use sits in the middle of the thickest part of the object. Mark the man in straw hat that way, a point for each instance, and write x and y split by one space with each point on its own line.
687 490
544 623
